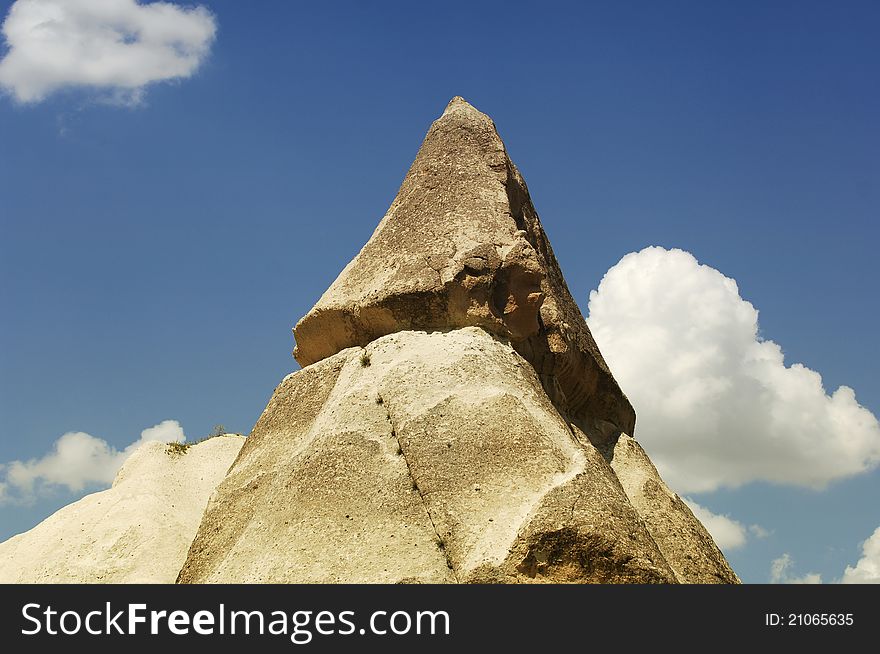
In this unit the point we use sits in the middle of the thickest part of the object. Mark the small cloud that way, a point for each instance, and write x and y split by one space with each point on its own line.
758 531
780 572
727 533
77 460
867 569
717 406
810 578
115 47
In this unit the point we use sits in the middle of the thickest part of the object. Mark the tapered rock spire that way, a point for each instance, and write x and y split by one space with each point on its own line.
454 421
462 245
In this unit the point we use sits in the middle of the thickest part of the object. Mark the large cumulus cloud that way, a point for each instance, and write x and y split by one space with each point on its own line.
716 404
867 569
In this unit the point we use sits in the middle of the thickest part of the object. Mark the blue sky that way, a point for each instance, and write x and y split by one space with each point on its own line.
156 250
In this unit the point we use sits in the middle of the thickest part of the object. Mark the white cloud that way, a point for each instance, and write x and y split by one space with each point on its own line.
778 568
727 533
77 460
779 572
867 569
716 404
117 47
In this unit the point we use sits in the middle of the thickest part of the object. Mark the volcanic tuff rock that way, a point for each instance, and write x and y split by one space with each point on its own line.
138 531
454 420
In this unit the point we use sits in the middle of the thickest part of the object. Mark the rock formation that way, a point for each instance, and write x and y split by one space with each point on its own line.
454 420
138 531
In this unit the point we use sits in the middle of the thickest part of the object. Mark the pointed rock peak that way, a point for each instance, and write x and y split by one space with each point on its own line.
459 104
462 245
457 101
460 114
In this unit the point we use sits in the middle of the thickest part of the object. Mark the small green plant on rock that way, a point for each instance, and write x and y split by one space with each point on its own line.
177 449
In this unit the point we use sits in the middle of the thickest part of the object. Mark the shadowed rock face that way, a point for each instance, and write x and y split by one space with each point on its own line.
462 245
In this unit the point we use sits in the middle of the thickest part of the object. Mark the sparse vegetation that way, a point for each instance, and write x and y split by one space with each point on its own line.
365 358
177 449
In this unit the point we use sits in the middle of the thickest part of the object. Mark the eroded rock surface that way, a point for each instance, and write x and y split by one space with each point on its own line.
425 457
138 531
462 245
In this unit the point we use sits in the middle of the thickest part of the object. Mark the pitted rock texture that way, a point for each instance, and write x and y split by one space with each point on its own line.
136 532
425 457
462 245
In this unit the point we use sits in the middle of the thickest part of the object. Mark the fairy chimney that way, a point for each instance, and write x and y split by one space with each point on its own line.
453 420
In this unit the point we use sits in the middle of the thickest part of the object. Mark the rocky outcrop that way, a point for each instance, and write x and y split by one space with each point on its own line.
424 457
462 245
454 420
138 531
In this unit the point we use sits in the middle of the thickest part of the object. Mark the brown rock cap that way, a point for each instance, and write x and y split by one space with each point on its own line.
462 245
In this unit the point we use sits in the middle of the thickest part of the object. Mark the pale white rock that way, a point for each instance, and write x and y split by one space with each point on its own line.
424 457
137 531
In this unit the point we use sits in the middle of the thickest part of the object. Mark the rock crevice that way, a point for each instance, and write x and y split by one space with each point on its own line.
441 543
